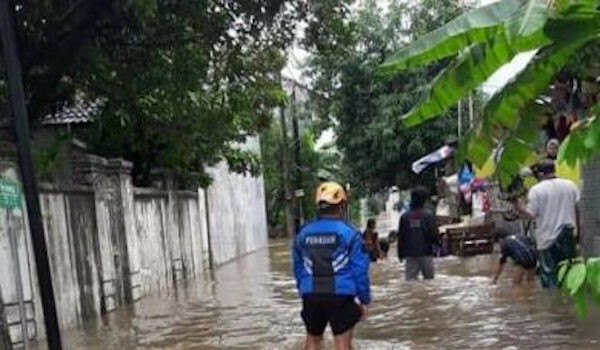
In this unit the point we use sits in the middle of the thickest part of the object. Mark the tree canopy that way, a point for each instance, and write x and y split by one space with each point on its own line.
181 81
362 106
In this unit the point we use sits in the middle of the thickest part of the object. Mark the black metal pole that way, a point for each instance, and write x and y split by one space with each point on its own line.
21 131
299 220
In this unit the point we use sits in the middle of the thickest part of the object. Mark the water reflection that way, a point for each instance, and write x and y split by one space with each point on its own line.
252 304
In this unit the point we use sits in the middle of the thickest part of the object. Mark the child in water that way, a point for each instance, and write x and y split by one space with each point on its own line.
371 239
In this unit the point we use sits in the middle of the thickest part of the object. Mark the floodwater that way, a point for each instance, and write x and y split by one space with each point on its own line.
252 304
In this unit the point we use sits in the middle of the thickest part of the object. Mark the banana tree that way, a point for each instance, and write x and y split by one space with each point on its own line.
482 41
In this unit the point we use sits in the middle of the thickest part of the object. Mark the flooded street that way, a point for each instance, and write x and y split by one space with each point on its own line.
252 304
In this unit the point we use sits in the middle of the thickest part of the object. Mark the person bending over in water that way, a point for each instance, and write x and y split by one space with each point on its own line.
521 250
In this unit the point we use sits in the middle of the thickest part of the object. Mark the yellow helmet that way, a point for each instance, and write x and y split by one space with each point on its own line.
330 193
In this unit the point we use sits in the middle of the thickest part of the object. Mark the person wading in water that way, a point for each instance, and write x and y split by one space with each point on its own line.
331 266
371 238
417 233
553 204
521 250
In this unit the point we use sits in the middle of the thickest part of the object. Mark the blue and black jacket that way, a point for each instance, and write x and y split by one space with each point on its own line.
330 258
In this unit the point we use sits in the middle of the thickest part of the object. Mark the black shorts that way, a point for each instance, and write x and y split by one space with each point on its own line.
340 312
527 264
384 246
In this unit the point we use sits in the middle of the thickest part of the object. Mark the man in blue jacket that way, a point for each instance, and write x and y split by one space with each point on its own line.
331 266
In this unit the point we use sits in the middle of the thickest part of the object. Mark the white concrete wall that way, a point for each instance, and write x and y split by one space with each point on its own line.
66 290
12 222
171 239
238 219
70 228
192 229
203 227
155 268
106 251
109 243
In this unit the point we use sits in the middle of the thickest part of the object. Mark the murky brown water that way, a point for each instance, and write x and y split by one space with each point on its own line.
252 304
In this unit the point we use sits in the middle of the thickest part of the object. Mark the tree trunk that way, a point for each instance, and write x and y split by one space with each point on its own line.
590 207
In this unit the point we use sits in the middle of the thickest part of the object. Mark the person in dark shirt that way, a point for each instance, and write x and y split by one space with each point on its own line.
417 233
521 250
371 238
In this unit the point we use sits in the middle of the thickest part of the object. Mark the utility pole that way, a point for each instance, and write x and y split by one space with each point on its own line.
289 217
299 217
20 124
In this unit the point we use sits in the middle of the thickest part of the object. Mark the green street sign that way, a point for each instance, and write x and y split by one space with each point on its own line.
10 194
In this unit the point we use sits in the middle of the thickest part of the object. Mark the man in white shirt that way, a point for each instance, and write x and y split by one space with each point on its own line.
553 204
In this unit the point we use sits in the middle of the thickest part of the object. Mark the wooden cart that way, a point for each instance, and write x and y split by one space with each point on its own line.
469 240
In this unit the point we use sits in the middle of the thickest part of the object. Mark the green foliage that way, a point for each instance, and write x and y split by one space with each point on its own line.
312 163
375 205
490 36
272 166
583 141
49 158
355 212
580 279
575 278
481 25
565 36
518 147
361 106
593 277
183 81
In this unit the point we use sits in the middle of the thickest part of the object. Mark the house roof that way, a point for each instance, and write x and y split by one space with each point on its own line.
78 112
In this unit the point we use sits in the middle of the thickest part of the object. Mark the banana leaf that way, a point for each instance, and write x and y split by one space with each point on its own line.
471 70
567 7
522 32
519 146
568 35
509 18
582 142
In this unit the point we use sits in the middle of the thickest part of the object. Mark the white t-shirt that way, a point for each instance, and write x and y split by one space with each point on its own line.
552 202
